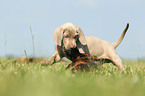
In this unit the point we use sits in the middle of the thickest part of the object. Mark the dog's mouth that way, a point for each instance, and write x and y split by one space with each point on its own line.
73 52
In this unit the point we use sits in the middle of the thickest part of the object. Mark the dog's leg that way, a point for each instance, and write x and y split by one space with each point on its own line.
117 61
55 58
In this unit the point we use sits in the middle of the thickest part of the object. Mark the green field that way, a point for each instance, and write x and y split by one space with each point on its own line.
32 79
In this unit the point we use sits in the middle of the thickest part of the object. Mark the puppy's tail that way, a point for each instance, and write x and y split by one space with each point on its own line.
115 44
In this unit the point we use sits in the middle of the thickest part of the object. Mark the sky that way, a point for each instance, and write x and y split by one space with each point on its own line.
105 19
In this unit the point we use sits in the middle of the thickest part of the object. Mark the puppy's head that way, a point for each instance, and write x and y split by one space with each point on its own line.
70 37
67 35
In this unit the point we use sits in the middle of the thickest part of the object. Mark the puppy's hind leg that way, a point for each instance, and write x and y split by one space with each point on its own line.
116 60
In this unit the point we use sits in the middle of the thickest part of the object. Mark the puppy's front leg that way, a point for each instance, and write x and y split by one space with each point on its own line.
55 58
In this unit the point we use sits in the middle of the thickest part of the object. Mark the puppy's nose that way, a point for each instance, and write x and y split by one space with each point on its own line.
71 46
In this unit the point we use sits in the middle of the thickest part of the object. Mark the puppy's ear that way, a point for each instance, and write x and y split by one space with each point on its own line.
81 37
58 35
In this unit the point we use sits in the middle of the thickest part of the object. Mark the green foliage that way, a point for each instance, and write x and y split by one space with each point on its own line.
32 79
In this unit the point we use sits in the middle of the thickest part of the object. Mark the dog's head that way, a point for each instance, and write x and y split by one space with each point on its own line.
67 36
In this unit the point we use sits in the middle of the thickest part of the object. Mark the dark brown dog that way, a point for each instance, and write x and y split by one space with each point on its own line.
83 62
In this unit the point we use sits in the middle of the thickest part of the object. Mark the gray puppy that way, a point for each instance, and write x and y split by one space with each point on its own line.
70 36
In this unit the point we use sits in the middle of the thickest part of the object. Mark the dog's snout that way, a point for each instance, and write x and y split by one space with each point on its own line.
72 46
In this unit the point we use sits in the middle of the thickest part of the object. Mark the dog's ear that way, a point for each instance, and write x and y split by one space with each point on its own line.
81 37
58 35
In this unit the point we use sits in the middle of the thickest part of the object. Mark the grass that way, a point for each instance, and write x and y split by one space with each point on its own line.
32 42
32 79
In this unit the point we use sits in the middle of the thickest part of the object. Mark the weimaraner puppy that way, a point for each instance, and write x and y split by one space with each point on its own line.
70 36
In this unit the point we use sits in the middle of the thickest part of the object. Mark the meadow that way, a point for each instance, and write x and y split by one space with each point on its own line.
32 79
